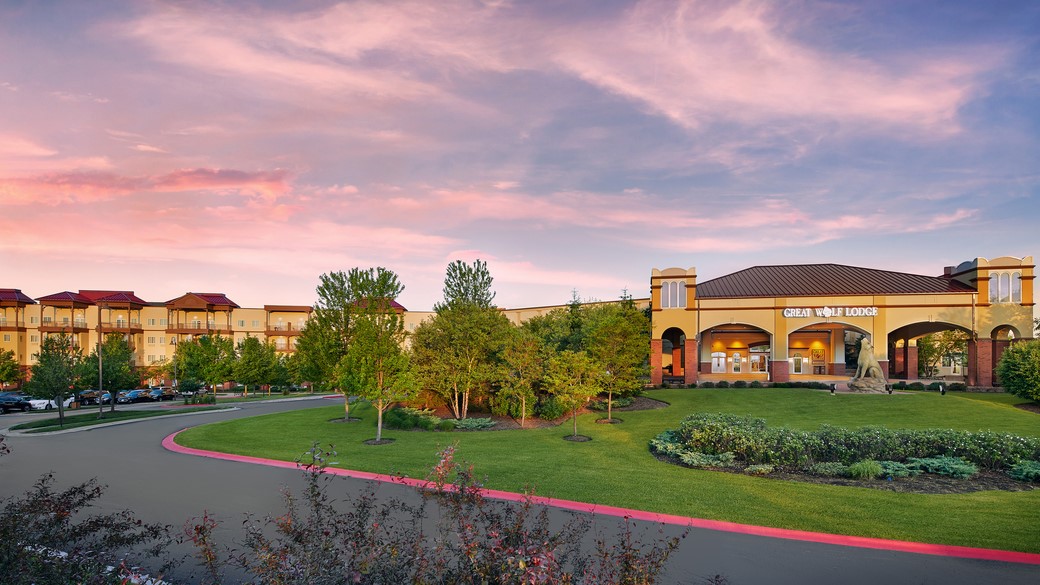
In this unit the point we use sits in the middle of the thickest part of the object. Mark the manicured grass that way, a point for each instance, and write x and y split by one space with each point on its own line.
616 467
91 419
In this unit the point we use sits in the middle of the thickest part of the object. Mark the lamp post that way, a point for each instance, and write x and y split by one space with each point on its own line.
100 372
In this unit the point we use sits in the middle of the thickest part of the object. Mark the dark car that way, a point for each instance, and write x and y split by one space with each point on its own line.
162 394
128 396
14 401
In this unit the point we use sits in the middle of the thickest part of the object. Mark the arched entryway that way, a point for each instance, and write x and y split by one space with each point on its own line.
931 350
673 358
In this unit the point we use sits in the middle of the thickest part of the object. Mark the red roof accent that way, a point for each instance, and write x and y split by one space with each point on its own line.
113 296
66 296
14 295
812 280
217 299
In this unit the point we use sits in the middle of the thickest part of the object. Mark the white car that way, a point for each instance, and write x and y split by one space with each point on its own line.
44 404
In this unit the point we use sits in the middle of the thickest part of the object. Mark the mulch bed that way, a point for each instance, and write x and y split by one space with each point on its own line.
379 442
1030 407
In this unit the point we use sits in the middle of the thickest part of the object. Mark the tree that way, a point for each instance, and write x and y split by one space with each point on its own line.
255 363
467 285
932 348
56 369
573 378
9 370
325 340
1019 369
456 352
617 339
523 363
207 358
117 368
375 366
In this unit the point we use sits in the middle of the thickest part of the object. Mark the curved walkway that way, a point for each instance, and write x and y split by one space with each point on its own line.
836 539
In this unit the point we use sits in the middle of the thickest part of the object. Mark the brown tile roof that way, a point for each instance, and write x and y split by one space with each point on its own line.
14 295
193 299
808 280
65 297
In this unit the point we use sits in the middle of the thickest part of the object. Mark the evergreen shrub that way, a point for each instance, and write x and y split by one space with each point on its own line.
722 384
868 469
740 384
1026 471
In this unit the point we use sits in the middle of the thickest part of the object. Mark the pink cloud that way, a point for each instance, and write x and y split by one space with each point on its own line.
73 186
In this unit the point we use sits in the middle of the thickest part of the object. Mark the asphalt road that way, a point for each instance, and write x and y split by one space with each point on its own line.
171 488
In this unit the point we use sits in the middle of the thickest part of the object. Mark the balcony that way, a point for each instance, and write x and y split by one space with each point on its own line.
198 328
77 326
282 329
11 325
121 327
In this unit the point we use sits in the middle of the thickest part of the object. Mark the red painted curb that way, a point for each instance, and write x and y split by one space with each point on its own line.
945 550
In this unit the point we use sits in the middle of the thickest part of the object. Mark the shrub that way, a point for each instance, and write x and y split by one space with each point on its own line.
934 386
48 536
473 424
446 425
899 385
755 384
951 466
896 469
829 469
915 386
763 469
956 387
752 442
550 409
707 384
695 459
1026 471
406 418
619 402
740 384
722 384
387 541
1019 369
868 469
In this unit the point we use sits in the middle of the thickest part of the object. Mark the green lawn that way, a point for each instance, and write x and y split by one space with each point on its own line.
616 467
90 419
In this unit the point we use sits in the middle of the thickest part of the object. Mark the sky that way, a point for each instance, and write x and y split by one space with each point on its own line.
249 147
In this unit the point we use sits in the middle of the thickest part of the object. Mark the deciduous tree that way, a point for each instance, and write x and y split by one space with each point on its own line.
117 368
573 378
617 340
456 352
523 364
56 369
1019 369
9 370
255 363
932 348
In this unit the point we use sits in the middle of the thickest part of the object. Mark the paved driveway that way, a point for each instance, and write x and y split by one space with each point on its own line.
170 488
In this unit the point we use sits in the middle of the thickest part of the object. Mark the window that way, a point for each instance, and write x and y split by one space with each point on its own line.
34 338
7 337
151 341
241 322
256 323
151 322
162 321
32 320
1005 287
47 319
673 294
162 340
151 359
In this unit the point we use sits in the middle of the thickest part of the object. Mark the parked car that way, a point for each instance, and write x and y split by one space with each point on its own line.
14 401
106 398
162 393
134 396
88 397
50 404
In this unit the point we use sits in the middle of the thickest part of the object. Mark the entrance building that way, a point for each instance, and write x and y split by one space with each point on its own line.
802 322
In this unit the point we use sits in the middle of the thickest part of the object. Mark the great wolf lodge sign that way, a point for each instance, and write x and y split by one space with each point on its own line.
828 312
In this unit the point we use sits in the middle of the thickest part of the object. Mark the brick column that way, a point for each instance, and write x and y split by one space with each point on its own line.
911 362
678 367
779 371
899 365
656 370
885 368
690 367
980 362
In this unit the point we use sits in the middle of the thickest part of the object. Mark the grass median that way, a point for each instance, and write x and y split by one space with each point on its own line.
616 468
91 419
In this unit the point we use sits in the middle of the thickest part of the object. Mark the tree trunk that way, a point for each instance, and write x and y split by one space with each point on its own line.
523 410
346 406
574 418
379 421
610 404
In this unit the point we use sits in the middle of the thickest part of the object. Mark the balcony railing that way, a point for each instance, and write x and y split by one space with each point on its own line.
11 324
283 329
122 325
